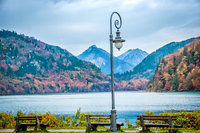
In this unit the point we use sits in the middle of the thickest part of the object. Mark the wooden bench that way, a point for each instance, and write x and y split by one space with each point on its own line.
93 121
167 122
22 122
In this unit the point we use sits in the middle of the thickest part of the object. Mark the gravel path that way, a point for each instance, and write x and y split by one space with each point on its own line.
6 130
60 130
76 131
67 130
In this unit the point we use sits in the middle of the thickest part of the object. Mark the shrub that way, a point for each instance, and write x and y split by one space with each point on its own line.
189 120
128 123
7 120
68 121
50 119
75 120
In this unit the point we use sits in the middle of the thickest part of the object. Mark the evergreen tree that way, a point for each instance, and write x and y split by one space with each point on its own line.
189 82
170 70
175 82
185 51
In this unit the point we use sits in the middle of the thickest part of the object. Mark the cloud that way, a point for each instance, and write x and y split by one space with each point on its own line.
77 24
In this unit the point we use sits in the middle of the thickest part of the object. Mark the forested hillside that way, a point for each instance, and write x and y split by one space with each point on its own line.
147 67
179 71
30 66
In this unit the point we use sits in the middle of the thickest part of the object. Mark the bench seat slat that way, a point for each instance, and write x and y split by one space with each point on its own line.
161 125
156 125
28 124
43 124
99 118
164 116
32 124
156 118
100 123
105 123
120 124
178 126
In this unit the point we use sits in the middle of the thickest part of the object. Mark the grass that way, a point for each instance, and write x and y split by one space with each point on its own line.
100 131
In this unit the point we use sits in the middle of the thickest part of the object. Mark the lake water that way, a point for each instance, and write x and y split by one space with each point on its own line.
128 104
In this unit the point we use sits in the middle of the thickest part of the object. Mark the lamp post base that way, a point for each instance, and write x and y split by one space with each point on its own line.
113 121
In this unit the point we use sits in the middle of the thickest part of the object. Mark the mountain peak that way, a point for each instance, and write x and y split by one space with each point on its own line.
133 56
93 46
137 49
101 58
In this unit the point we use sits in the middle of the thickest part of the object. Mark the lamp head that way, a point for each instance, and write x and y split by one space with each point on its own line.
118 40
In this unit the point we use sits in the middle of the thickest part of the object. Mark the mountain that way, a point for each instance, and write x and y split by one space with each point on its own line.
133 56
29 66
179 71
101 59
147 67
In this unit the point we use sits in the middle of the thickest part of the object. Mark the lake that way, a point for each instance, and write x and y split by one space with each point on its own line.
128 104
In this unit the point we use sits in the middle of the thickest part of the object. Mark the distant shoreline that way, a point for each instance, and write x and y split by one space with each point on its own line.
71 93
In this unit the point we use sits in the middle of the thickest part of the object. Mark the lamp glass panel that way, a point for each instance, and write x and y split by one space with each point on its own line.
118 44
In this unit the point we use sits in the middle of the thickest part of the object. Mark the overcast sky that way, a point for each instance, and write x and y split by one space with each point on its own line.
77 24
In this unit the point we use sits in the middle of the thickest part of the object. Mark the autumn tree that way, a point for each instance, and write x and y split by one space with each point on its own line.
179 71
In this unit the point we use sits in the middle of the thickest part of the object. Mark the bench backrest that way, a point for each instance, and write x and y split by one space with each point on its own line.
28 117
156 117
98 118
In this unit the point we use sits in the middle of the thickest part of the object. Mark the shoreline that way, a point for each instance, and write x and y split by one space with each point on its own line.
76 93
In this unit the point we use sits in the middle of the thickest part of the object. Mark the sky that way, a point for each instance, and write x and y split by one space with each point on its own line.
75 25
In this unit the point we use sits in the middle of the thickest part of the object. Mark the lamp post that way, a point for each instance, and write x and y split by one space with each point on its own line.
118 44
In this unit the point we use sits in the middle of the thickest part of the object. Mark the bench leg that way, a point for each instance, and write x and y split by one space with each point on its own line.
173 130
24 128
35 129
88 129
17 129
118 127
43 128
94 128
144 130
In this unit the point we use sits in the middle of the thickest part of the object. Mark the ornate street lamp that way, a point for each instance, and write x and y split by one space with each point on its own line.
118 44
